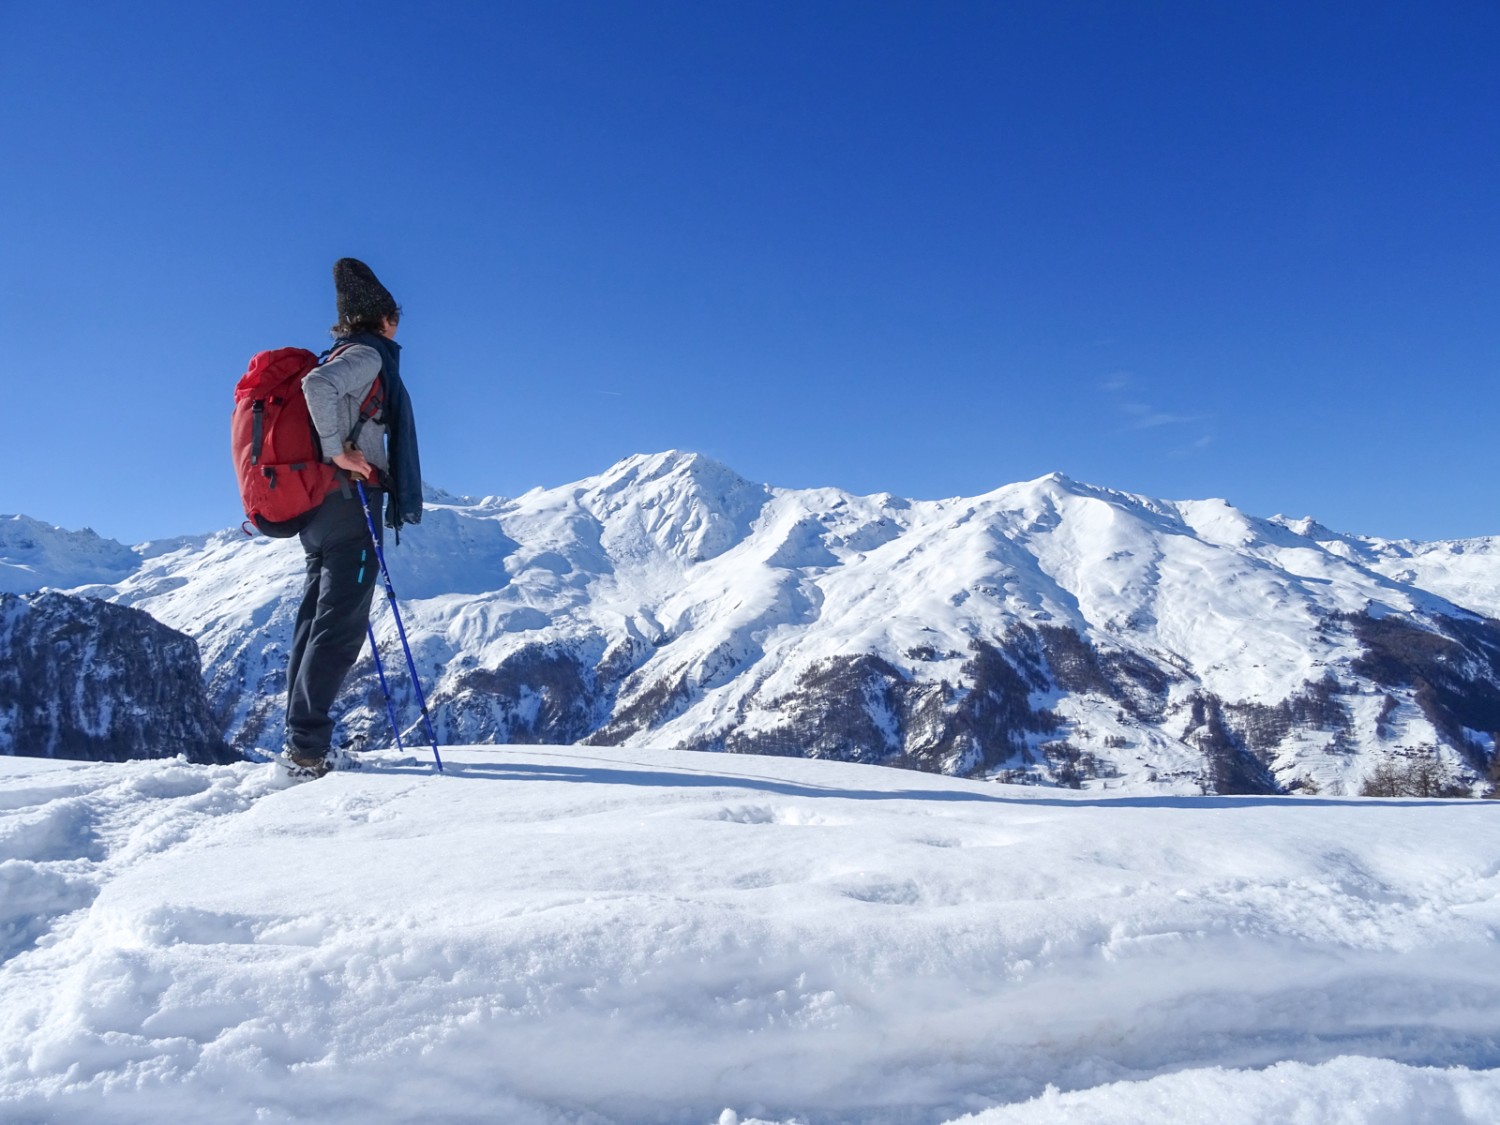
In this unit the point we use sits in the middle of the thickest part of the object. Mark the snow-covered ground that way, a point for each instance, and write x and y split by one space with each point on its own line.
572 934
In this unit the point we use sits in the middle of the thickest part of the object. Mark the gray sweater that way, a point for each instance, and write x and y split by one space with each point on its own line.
335 391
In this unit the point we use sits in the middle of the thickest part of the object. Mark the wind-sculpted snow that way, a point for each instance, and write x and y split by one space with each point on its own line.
615 935
1154 645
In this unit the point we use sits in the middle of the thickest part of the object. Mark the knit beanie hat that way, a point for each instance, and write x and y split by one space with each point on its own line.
361 296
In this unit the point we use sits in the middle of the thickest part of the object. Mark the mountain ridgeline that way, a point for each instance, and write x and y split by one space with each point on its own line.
1049 632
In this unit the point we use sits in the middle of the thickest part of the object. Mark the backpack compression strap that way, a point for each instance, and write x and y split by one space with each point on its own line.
257 429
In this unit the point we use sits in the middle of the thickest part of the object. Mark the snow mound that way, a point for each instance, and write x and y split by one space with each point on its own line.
1346 1091
578 934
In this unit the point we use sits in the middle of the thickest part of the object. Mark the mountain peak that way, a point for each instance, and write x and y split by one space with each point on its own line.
642 468
1307 527
684 502
1053 487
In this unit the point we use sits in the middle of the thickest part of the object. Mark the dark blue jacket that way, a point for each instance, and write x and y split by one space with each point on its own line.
404 485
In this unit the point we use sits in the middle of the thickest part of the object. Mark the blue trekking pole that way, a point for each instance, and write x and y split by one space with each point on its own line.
390 593
390 708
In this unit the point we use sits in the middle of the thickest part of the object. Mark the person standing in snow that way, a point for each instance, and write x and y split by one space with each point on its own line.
334 614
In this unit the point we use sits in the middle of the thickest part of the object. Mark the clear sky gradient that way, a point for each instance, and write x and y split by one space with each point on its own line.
1190 249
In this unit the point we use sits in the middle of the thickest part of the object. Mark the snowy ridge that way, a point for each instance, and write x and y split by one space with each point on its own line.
1049 630
36 555
1465 571
622 936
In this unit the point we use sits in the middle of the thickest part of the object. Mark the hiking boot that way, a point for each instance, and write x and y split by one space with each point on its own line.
302 765
341 759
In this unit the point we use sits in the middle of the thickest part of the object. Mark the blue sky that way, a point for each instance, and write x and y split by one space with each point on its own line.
1194 249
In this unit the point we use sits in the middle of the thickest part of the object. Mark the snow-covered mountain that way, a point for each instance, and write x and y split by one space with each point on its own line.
1049 630
34 555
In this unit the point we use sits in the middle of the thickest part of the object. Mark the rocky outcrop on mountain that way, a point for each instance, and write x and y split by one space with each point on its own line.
1050 631
83 679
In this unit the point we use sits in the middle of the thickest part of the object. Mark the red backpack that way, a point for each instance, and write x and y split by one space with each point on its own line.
277 456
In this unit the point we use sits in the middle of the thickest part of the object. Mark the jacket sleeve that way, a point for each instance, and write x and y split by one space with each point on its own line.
347 376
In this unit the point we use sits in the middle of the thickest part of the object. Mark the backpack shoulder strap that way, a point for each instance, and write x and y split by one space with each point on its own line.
369 409
374 401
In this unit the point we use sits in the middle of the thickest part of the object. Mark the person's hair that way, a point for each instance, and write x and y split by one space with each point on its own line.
366 324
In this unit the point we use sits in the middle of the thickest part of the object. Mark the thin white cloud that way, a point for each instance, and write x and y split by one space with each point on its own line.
1146 417
1197 446
1141 415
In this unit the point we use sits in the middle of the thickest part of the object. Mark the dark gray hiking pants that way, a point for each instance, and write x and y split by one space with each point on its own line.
333 617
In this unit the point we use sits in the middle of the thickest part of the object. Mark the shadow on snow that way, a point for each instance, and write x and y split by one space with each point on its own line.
686 777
